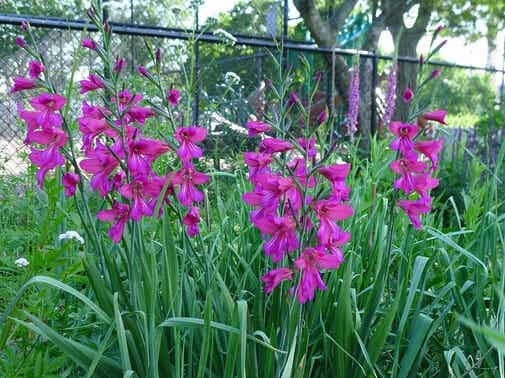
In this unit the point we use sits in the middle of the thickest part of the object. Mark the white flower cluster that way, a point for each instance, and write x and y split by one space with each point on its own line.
71 235
21 262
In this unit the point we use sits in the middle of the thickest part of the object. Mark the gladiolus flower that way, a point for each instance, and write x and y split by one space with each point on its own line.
24 25
408 95
328 211
143 71
35 68
89 44
435 73
309 146
173 97
70 181
309 263
273 145
430 149
404 133
258 163
283 236
187 137
92 83
436 115
46 160
191 221
20 42
119 214
142 152
21 84
256 127
335 172
415 208
186 179
140 190
406 168
119 65
273 278
100 163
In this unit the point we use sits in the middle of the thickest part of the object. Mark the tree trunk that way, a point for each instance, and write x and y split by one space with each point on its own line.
407 74
491 47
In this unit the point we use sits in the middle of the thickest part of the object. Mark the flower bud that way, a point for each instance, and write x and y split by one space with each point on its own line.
20 42
89 44
143 71
408 95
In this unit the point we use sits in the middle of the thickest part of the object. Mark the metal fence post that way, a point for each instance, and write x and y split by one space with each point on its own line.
196 68
285 8
373 99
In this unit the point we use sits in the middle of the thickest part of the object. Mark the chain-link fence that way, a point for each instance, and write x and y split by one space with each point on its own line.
233 70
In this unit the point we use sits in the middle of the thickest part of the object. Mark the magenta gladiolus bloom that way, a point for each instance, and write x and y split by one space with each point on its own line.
257 127
140 190
309 263
258 164
89 44
424 182
142 152
339 191
70 181
408 95
309 146
328 211
283 236
173 97
430 149
35 68
335 172
404 133
119 214
48 102
436 115
92 124
191 221
187 137
22 84
92 83
273 145
46 160
20 42
119 65
406 168
273 278
100 163
186 178
140 114
415 208
271 188
300 171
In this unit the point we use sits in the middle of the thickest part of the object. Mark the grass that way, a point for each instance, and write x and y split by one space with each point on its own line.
171 308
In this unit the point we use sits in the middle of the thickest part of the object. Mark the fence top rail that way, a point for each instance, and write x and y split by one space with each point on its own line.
208 37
